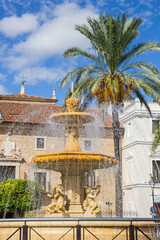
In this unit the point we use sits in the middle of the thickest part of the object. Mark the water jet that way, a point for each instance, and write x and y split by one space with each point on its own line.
72 164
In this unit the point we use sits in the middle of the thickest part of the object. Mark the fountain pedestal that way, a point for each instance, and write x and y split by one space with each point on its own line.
74 190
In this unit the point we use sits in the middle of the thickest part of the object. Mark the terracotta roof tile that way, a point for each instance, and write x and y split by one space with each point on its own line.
40 113
28 112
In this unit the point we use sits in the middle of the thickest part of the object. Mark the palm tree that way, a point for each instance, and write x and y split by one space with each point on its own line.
156 139
111 73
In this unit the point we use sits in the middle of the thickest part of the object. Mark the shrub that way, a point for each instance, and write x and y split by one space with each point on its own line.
19 195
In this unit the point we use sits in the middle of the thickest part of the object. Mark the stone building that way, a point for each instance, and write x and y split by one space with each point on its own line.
26 130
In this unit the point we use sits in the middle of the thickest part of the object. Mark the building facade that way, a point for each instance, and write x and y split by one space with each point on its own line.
138 162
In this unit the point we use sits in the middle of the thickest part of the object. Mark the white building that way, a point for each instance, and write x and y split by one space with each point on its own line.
138 162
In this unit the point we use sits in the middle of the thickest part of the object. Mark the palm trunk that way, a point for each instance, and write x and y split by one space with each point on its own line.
118 174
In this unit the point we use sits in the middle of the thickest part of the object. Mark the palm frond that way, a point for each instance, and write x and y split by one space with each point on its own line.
142 65
156 140
142 100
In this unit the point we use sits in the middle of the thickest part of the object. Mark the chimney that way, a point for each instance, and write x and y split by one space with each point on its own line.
54 94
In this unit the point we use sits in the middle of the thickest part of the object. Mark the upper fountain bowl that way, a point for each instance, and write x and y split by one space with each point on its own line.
72 116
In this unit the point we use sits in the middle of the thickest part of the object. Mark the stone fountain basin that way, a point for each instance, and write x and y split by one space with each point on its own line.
72 118
73 162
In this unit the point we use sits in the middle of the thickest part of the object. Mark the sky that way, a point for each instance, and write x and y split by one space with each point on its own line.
35 33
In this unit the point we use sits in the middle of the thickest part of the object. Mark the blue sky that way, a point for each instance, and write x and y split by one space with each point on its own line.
35 33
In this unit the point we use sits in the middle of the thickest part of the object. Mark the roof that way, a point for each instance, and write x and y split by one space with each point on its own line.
27 112
27 98
38 111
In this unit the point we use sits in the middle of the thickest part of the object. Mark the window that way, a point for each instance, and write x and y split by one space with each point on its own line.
130 206
130 171
40 177
87 145
7 173
89 179
156 171
155 125
40 142
128 129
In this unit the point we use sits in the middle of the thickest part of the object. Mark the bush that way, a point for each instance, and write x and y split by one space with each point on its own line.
19 195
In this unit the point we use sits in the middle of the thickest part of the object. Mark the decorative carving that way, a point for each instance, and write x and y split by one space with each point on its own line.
8 149
89 204
17 153
72 143
72 104
58 202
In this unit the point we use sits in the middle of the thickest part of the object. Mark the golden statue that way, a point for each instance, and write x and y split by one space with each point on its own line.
89 204
58 202
72 143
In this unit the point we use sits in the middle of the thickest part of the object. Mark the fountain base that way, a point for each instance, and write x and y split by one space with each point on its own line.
57 215
72 215
92 215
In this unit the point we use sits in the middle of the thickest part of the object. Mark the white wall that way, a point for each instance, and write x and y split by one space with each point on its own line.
136 157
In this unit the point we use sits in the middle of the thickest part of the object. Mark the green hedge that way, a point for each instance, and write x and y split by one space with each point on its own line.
20 195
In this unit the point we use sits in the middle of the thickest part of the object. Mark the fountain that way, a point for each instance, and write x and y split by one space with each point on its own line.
72 164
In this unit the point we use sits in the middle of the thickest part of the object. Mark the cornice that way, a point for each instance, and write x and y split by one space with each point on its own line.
11 159
27 98
139 185
139 113
136 143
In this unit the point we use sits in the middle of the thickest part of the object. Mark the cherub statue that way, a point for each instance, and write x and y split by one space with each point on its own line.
89 204
58 203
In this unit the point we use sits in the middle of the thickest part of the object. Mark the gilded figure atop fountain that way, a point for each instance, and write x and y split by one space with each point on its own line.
72 143
58 201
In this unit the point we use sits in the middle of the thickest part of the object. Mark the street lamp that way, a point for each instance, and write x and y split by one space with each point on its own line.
152 183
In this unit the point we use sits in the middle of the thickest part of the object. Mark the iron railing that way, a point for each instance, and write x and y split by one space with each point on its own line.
125 214
81 227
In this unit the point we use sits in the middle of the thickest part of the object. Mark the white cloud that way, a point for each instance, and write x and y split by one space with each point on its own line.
15 63
13 26
34 75
3 90
2 77
53 37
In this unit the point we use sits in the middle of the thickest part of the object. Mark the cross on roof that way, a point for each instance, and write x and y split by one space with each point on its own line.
23 79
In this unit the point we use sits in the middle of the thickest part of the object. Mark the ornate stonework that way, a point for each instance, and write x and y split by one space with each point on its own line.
72 104
8 150
89 204
58 202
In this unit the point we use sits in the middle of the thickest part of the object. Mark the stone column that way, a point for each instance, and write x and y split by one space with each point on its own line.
74 189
